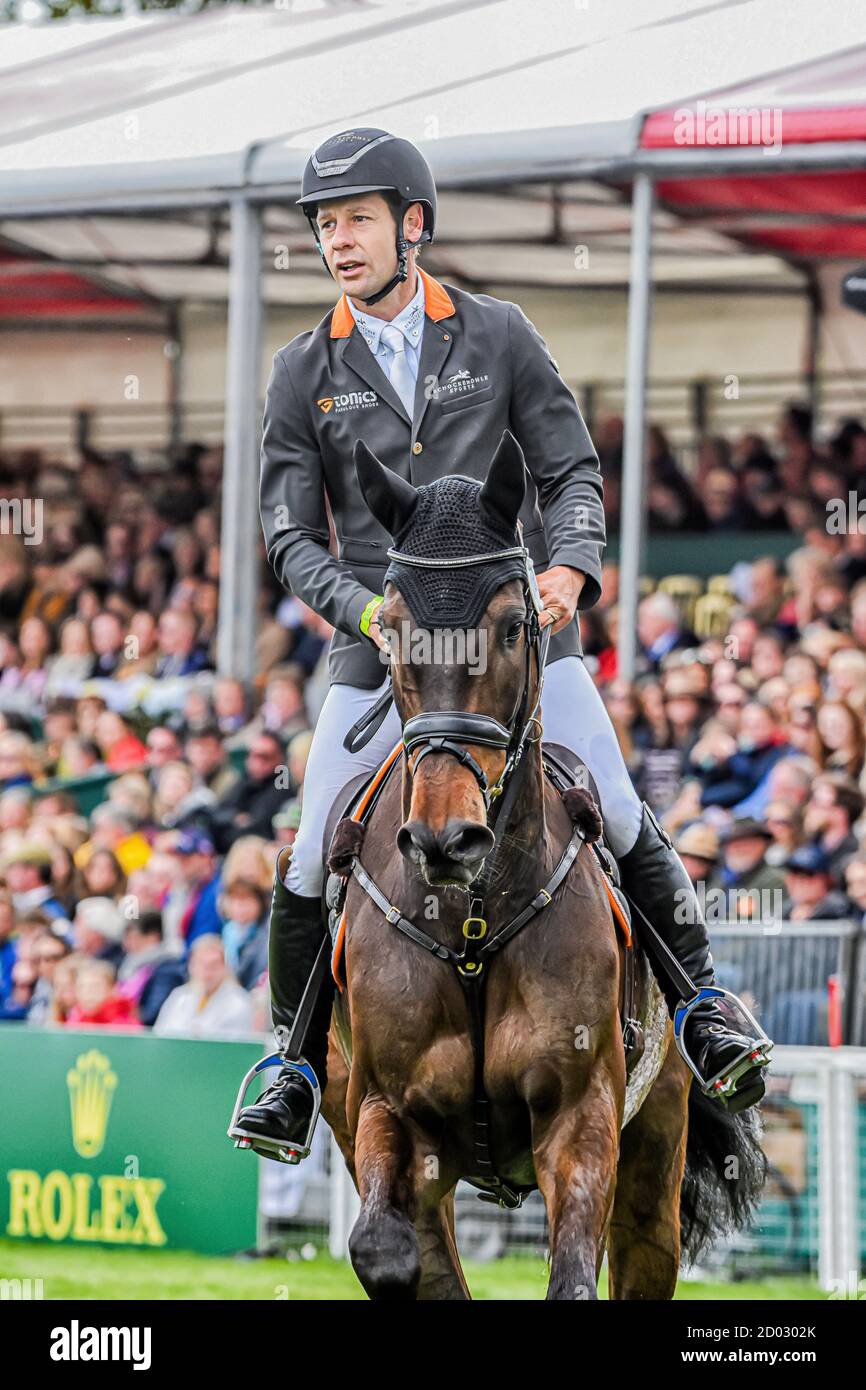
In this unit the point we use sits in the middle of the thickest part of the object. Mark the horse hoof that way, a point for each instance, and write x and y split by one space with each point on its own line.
383 1249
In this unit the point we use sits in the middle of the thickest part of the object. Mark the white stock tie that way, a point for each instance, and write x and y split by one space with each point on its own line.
399 372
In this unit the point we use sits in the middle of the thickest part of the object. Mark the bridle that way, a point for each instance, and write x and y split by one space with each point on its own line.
449 731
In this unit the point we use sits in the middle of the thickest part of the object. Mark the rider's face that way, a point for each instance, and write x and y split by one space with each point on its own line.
357 236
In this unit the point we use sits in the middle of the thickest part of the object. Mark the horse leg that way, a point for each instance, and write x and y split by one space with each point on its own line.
383 1246
441 1273
644 1240
334 1105
575 1151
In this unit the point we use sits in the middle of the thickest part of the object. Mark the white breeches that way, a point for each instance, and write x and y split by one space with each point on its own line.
572 713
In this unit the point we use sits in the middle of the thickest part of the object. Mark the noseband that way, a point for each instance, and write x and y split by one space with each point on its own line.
448 731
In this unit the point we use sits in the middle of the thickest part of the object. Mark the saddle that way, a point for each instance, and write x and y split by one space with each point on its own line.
344 835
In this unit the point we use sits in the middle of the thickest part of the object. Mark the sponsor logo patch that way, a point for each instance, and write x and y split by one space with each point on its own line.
348 400
460 383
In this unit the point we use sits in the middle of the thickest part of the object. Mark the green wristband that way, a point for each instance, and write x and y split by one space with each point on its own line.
367 614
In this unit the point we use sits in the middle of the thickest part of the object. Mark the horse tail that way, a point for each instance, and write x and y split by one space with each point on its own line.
725 1172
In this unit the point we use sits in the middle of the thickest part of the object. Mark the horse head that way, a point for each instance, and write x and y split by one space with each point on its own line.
460 621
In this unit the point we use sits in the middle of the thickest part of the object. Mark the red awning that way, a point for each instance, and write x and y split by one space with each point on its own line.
807 215
39 291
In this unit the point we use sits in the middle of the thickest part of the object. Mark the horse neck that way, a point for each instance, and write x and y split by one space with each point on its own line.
520 845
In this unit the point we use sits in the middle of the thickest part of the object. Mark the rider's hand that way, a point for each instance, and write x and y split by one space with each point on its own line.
560 589
374 631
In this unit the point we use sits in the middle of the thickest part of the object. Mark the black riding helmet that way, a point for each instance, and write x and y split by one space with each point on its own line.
366 160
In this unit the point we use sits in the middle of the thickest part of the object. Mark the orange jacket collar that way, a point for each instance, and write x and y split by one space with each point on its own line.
437 305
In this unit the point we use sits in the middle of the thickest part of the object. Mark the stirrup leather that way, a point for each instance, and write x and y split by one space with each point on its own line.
280 1150
755 1053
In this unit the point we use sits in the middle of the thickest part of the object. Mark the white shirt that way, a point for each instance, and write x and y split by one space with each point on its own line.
410 320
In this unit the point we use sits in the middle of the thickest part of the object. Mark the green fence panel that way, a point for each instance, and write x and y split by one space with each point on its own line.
120 1140
707 553
89 792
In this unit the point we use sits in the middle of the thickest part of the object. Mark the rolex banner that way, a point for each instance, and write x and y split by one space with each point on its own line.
120 1140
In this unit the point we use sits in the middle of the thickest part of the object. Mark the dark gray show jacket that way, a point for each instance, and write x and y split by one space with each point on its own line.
484 368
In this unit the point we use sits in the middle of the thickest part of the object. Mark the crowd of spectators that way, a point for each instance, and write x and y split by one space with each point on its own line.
150 910
751 485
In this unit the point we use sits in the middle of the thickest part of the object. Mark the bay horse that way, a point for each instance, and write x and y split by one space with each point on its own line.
519 1081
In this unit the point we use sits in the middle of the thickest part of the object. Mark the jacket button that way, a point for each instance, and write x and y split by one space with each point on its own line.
417 447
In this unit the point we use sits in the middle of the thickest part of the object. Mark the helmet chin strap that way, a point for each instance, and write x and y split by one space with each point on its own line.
403 249
398 279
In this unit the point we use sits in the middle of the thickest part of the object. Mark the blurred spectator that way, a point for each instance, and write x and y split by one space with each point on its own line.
785 825
842 738
244 907
118 745
730 781
249 806
98 1004
149 971
834 805
190 907
98 930
179 800
179 653
809 887
659 629
212 1004
27 873
102 876
698 847
205 752
744 868
48 952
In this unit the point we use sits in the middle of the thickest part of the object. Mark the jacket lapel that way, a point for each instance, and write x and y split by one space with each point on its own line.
435 347
358 356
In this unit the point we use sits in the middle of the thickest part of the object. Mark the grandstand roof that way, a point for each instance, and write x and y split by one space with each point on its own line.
113 157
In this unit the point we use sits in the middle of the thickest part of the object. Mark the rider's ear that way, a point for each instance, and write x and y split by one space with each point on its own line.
504 487
391 499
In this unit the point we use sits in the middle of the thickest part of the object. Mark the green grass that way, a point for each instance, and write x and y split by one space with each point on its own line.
70 1272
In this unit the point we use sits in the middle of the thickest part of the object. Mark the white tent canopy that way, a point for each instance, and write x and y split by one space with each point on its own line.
133 107
167 151
96 120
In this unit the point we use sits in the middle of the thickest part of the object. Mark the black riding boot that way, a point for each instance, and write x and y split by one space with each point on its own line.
654 876
282 1113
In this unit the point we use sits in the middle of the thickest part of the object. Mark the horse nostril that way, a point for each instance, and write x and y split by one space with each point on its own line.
416 841
466 841
461 842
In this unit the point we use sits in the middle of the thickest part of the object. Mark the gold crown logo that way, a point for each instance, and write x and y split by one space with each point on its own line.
91 1085
326 404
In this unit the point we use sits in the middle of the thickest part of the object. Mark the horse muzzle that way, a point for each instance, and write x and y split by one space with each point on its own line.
453 855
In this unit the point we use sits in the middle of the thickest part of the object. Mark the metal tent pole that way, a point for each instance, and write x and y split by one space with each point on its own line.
240 511
632 516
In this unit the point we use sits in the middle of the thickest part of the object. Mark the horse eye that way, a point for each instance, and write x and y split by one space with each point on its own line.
514 631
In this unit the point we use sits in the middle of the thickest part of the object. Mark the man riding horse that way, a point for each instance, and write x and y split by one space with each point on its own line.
430 376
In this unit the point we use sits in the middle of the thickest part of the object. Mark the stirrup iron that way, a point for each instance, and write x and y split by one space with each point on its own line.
282 1151
755 1054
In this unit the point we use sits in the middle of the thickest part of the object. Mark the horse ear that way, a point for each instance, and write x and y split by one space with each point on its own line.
504 488
391 499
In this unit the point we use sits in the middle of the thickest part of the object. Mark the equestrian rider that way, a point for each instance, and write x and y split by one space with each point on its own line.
426 375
